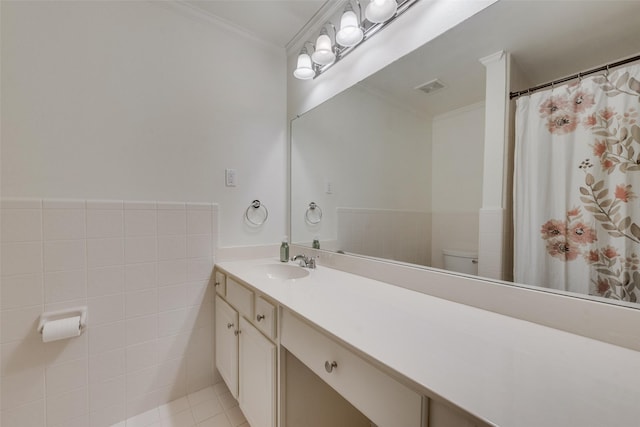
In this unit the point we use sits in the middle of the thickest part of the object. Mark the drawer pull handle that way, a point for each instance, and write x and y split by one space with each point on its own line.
330 366
229 325
217 284
259 317
237 332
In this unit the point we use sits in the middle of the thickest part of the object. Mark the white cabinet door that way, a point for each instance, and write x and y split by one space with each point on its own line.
257 377
227 344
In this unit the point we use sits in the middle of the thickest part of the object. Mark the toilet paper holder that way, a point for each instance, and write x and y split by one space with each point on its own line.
48 316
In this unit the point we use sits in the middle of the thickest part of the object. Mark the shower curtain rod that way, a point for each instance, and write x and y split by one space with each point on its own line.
574 76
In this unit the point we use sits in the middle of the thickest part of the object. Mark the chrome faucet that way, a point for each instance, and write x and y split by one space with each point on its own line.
305 261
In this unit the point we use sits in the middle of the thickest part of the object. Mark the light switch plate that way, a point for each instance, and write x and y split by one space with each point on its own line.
328 186
230 177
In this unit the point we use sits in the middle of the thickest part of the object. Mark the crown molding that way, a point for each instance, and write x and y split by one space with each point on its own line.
324 14
197 12
494 57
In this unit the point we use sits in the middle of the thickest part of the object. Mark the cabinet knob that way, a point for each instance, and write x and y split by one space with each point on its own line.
229 325
217 284
259 317
329 366
237 332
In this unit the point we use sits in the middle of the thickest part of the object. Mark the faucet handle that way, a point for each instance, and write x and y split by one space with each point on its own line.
301 259
311 263
305 261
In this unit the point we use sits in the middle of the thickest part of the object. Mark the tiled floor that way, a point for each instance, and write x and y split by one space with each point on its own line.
209 407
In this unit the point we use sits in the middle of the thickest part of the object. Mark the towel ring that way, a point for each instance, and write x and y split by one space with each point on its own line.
257 213
313 215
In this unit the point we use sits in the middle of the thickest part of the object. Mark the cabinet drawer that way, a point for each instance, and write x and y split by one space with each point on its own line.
265 318
240 297
378 396
220 283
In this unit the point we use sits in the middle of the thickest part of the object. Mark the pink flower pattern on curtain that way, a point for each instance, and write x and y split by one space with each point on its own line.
577 176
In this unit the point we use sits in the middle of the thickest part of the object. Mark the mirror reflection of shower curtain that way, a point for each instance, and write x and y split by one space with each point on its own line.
577 187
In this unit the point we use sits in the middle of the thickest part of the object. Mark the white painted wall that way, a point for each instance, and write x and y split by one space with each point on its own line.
425 21
389 234
376 154
458 148
142 100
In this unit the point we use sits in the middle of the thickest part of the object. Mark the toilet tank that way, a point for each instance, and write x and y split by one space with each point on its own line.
460 261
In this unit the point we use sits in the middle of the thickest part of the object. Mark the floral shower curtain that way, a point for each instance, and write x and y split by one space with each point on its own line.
577 187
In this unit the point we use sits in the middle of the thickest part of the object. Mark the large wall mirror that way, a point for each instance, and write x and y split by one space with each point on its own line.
392 167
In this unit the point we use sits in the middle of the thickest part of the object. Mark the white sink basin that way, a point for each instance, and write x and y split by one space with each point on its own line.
282 271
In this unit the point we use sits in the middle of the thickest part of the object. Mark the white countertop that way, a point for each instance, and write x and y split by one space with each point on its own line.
506 371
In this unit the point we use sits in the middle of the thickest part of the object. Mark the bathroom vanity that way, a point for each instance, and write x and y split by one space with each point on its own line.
404 358
250 326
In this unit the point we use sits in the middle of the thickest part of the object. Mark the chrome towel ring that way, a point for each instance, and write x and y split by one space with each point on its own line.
313 215
257 213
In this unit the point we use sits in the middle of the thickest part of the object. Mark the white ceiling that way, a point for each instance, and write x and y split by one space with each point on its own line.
547 39
277 22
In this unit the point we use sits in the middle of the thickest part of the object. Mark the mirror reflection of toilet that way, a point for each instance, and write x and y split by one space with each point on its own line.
460 261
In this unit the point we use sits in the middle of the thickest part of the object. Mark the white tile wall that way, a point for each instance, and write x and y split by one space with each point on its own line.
142 269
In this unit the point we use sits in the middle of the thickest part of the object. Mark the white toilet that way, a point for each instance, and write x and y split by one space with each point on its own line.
460 261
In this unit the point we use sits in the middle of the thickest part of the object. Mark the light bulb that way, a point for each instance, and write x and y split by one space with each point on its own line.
350 33
323 54
304 68
378 11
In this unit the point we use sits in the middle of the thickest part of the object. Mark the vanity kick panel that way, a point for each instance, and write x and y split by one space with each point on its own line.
378 396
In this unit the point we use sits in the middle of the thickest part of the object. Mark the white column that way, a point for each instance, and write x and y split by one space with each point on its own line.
491 250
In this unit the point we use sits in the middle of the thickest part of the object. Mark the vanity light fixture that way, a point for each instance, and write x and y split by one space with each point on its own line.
324 54
379 11
304 68
353 30
350 33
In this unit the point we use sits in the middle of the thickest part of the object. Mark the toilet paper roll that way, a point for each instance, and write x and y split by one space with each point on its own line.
61 329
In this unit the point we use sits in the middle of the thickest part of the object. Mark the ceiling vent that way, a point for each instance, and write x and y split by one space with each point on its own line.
431 86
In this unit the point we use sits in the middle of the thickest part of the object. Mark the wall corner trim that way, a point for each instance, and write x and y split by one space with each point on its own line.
494 57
